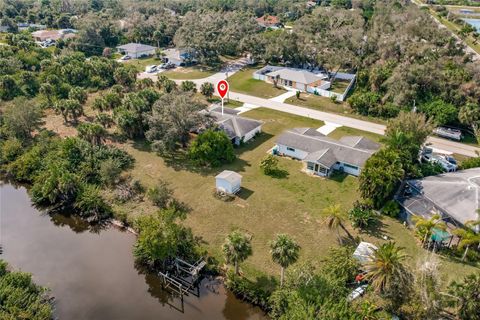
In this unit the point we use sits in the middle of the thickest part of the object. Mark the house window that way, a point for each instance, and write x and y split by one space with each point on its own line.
310 166
290 149
350 166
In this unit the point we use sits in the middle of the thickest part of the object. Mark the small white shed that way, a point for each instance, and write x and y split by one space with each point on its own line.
364 252
228 181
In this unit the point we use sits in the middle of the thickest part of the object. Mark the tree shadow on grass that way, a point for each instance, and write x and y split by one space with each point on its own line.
375 230
254 143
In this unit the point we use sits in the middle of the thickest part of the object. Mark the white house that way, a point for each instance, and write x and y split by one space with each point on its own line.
312 81
322 155
238 129
228 181
137 50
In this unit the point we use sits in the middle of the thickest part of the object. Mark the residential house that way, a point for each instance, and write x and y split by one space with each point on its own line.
238 129
268 21
179 57
137 50
312 81
453 195
55 35
322 155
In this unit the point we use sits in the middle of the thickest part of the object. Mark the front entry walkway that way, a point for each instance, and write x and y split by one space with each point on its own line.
328 128
284 96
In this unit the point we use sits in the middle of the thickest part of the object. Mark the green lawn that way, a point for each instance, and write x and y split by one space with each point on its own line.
189 73
320 103
243 82
266 206
339 86
141 63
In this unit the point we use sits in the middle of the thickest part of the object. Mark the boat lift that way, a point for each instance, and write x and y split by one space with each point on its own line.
184 279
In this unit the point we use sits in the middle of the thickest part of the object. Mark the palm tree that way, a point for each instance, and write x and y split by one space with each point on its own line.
468 236
386 271
425 226
237 248
336 218
284 251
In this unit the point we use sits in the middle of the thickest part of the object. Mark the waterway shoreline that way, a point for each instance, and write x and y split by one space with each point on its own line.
92 273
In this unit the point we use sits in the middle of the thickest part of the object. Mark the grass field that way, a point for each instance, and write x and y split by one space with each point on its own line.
266 206
141 63
339 86
189 73
243 82
315 102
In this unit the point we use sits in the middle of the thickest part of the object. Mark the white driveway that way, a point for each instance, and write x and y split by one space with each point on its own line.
328 128
246 107
281 98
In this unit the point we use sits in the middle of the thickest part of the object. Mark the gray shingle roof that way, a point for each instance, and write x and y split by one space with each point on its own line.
325 157
455 193
136 47
234 125
360 142
300 76
311 144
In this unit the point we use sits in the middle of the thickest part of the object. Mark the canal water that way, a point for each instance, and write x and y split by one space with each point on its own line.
91 273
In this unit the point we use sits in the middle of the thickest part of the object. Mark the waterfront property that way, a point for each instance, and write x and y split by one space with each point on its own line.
453 195
238 129
312 81
137 50
322 155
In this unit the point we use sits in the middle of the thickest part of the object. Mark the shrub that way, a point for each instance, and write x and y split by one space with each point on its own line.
188 86
391 209
91 204
211 148
10 150
470 163
362 216
247 290
161 195
128 190
269 165
21 297
207 89
110 171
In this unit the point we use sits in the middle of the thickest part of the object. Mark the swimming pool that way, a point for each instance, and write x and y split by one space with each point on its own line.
474 22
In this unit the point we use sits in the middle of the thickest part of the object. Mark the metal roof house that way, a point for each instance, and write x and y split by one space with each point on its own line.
137 50
454 195
322 155
228 181
238 129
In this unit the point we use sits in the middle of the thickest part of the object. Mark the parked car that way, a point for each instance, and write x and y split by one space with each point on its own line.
162 66
47 43
170 65
125 57
450 159
151 69
447 166
449 133
357 292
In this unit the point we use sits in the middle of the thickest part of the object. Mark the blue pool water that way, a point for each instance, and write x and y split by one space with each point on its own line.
473 22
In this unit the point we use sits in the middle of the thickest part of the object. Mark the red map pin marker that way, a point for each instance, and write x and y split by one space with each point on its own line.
222 88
